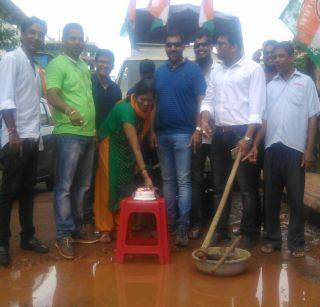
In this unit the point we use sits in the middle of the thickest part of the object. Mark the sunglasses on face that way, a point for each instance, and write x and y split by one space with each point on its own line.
199 45
170 45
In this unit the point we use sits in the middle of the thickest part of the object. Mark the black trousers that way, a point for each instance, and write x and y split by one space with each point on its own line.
198 164
19 176
282 169
222 144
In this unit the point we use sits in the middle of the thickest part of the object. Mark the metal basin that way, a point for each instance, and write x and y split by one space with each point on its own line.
237 265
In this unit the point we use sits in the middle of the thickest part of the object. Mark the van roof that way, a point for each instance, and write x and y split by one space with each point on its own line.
156 52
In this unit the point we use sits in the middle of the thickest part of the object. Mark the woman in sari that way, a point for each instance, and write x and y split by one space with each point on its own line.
120 156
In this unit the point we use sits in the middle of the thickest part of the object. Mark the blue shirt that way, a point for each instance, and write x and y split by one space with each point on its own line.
290 104
177 92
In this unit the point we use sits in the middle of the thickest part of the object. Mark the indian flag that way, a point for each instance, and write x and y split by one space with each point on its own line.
130 20
308 25
304 21
159 9
206 15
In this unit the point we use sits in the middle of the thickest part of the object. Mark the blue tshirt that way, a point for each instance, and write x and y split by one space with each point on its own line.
177 91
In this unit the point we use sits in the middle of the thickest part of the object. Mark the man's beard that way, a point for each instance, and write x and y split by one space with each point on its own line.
204 62
270 68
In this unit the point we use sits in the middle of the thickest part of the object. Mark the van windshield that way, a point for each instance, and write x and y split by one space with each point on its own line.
129 74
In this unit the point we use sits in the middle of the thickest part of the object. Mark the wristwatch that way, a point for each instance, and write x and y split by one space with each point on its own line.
248 139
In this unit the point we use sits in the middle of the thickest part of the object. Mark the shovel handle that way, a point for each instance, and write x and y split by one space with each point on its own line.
223 201
228 252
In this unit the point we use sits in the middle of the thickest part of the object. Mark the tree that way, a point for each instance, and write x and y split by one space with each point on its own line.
8 36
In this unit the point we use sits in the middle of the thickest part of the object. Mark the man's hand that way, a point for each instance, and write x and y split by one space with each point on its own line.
153 140
75 118
257 56
244 147
307 159
195 140
205 125
252 155
15 143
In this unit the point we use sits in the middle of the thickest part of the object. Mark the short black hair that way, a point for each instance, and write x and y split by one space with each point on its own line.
147 66
144 86
71 26
29 21
104 53
287 46
174 33
233 36
204 33
270 42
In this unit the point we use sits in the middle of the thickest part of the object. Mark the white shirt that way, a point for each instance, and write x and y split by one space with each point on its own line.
236 95
290 104
20 90
208 140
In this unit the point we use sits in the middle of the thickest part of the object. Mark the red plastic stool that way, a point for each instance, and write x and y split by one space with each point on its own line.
158 246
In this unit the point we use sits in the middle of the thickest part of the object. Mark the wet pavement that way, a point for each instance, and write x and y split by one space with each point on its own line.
93 279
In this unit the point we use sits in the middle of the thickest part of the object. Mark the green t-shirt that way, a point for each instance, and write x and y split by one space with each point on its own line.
73 79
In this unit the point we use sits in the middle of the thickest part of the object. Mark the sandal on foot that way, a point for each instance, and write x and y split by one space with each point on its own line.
105 237
269 248
298 253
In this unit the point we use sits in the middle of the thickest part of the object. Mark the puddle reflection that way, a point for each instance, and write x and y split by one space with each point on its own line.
88 283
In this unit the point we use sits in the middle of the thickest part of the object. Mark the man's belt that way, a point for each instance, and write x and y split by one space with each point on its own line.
226 129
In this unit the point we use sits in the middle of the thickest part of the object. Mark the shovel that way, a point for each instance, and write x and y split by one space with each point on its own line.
203 253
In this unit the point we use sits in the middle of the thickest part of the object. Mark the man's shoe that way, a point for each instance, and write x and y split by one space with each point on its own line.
65 248
194 233
181 237
269 248
4 255
85 237
34 245
219 238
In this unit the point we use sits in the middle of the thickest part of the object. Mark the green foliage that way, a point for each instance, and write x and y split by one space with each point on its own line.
8 36
303 61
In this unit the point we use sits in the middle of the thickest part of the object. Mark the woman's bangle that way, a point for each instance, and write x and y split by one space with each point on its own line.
144 171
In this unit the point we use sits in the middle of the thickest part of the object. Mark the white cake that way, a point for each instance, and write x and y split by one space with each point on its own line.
144 194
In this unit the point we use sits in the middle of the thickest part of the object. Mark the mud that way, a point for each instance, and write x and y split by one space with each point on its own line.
93 279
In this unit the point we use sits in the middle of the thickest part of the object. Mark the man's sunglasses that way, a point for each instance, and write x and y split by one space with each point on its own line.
205 44
170 45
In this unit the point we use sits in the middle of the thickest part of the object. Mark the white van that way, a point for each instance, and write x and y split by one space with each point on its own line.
129 75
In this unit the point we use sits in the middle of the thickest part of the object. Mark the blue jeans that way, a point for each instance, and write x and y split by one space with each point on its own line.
175 161
73 171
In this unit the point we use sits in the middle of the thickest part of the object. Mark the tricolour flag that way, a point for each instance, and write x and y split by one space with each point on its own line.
304 21
159 9
308 26
206 15
129 23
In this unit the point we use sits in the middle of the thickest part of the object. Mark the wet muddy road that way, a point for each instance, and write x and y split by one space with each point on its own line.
93 279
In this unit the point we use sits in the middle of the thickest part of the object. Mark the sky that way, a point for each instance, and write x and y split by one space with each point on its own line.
102 20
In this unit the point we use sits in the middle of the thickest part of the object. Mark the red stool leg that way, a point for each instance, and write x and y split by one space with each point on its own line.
122 233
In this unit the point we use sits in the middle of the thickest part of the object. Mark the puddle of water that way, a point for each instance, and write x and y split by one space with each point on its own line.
142 282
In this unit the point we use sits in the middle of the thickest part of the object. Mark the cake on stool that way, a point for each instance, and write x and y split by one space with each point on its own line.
144 194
